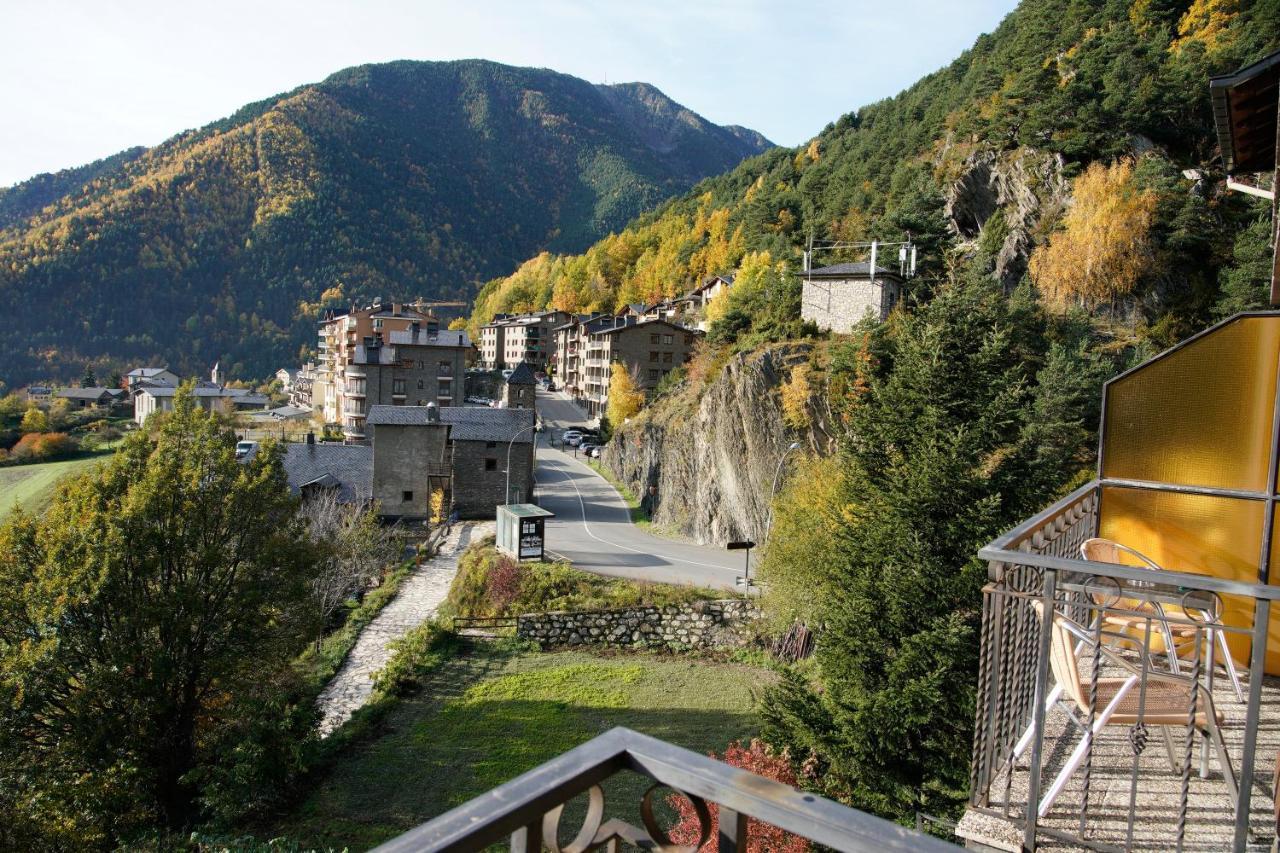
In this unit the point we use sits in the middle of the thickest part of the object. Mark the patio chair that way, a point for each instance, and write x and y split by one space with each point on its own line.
1107 551
1165 702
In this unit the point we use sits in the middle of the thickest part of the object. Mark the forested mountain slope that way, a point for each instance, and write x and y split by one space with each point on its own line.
403 179
981 156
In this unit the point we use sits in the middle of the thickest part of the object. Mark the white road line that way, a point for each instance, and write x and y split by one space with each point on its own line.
585 526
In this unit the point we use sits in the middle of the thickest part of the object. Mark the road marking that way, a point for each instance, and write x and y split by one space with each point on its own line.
587 527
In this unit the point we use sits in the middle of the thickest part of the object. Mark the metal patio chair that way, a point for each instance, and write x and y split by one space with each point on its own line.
1107 551
1165 701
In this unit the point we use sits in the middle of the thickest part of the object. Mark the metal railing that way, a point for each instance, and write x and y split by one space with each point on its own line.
1069 760
526 812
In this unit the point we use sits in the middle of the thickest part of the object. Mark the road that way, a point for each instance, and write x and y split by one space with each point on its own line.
593 528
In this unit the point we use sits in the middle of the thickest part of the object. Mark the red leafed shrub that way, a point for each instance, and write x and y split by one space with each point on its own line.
758 758
503 586
42 445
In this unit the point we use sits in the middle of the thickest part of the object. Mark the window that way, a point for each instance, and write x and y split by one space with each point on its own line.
419 384
397 386
666 339
491 464
653 374
407 497
653 355
653 339
666 358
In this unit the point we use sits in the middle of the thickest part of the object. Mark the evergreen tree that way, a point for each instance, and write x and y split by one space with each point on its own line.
950 439
88 379
147 624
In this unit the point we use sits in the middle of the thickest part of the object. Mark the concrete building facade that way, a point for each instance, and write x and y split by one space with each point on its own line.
648 350
837 298
510 339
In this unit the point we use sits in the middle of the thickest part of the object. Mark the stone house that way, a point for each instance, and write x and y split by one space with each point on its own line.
149 399
840 296
462 450
152 375
519 391
420 365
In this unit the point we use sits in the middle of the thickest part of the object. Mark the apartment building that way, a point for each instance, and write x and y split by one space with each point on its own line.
420 365
510 339
648 349
569 348
340 334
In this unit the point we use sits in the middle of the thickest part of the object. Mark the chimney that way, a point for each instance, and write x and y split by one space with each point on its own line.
311 437
433 327
433 414
414 328
395 309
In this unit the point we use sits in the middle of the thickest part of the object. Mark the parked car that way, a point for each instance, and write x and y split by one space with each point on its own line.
244 448
594 453
586 446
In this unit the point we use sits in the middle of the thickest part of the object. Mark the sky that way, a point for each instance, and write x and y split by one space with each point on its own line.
83 80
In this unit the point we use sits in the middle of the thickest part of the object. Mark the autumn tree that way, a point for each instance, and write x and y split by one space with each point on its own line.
1103 249
625 396
35 420
148 621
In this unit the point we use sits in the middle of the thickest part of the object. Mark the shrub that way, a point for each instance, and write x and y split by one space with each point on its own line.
503 583
36 446
415 654
758 758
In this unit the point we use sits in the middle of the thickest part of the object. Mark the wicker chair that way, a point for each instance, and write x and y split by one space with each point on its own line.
1168 616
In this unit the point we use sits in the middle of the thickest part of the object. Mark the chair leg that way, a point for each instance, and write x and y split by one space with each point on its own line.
1174 762
1077 755
1025 741
1230 665
1224 758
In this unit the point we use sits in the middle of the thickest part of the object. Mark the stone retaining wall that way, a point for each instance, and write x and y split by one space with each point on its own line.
699 625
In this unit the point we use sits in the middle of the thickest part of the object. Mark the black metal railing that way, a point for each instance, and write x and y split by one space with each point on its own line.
1085 665
526 812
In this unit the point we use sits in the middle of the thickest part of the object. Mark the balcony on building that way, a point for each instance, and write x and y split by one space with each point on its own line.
1166 644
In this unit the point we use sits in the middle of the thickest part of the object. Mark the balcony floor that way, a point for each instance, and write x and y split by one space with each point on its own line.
1210 824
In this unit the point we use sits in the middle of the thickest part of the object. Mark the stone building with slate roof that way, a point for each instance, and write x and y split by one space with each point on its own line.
840 296
519 392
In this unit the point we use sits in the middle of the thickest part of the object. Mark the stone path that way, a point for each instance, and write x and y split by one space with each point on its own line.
419 596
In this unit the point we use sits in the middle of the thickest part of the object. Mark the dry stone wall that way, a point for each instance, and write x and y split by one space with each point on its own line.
700 625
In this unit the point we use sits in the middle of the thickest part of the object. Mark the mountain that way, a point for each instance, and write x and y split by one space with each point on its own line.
403 179
977 159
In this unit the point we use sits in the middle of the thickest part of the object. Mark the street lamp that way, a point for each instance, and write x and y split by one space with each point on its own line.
773 493
506 496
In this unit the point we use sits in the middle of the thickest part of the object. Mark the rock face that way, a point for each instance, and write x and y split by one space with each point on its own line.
701 625
711 462
1011 191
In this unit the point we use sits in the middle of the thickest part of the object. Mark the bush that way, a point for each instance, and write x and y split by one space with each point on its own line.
415 654
38 446
758 758
490 584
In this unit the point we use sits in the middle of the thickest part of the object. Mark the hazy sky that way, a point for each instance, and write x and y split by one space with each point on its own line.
81 80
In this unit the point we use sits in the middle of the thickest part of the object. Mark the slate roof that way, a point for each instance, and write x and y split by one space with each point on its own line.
205 389
522 375
89 393
350 465
146 372
467 423
282 413
442 338
646 325
860 269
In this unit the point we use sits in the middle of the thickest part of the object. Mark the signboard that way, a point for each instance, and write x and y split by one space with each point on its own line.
531 538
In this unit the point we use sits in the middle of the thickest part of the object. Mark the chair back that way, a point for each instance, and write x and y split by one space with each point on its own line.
1062 657
1107 551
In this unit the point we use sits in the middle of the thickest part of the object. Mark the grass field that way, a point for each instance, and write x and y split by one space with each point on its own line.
32 486
490 715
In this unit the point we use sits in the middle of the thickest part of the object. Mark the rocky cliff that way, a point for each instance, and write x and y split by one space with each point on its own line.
711 456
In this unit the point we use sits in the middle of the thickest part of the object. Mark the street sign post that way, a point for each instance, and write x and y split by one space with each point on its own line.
744 545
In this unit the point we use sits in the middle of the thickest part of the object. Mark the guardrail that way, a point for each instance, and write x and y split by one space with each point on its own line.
526 811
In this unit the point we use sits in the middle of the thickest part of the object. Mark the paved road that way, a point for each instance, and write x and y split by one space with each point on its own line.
593 528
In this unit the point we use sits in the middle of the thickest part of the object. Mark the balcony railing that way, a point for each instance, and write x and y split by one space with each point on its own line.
526 812
1071 646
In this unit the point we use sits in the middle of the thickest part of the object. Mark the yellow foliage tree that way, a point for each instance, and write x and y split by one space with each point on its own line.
1103 248
34 420
457 323
625 396
796 393
1209 22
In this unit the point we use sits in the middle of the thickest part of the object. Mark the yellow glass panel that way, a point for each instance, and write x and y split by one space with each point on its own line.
1200 416
1200 534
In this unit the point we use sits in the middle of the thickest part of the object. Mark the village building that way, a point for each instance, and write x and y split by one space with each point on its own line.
649 350
340 334
302 393
509 339
149 399
839 297
419 365
151 375
87 398
520 388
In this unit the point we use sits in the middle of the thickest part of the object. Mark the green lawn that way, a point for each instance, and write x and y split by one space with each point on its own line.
488 716
32 486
